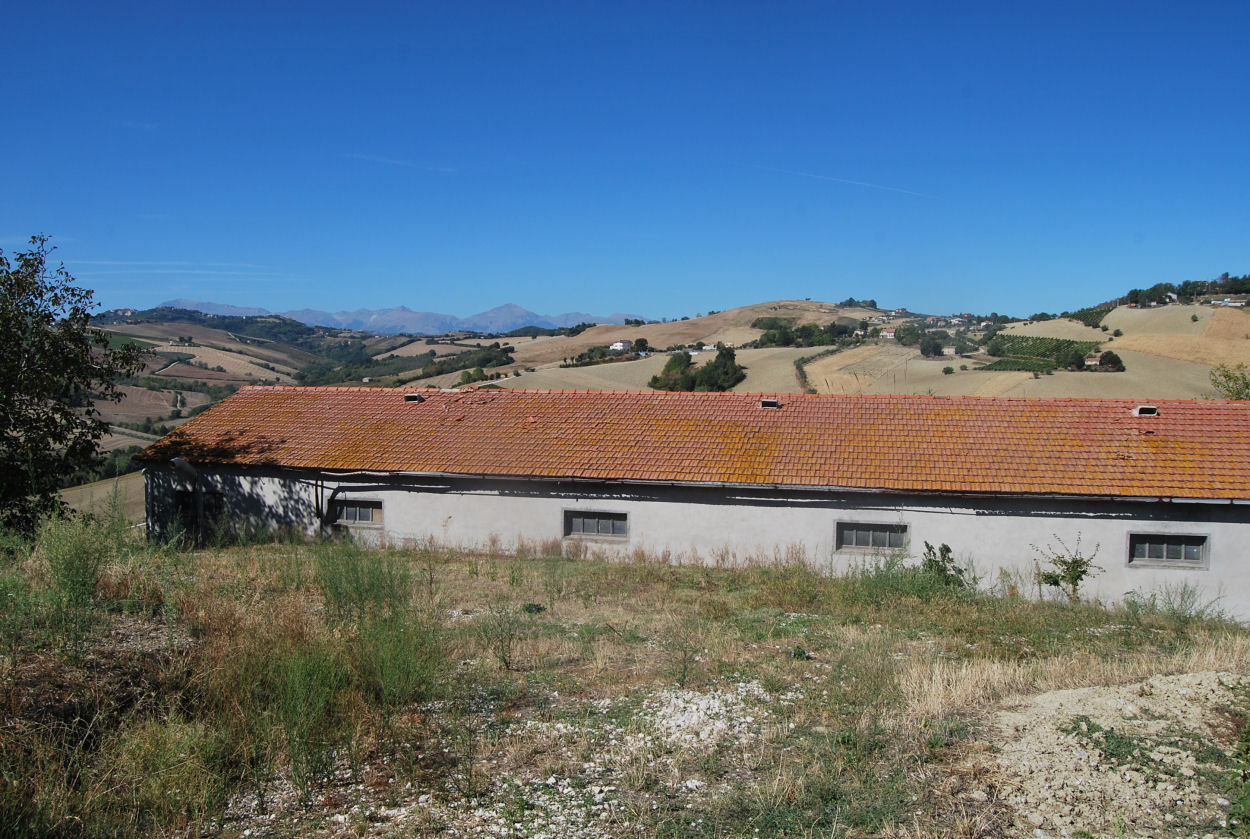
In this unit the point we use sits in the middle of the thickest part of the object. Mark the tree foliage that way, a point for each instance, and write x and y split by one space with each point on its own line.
1110 360
1231 382
54 367
722 373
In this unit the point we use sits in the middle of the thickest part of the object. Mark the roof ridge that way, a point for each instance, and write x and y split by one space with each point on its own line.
709 395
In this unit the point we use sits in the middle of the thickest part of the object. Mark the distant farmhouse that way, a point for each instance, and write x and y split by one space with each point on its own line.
1161 489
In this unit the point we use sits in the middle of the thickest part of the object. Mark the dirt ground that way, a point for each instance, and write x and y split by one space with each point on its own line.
1142 759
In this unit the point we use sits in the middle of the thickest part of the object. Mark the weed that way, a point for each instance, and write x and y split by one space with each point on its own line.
682 643
553 579
1069 568
159 776
1115 745
941 565
306 684
355 580
1180 604
398 658
499 630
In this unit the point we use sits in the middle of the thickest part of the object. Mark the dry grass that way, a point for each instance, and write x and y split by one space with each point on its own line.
934 690
682 700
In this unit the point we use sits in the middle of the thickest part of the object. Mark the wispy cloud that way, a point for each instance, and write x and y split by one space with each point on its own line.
843 181
390 161
180 272
171 264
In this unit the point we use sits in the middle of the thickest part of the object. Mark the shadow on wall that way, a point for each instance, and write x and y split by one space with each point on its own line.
196 494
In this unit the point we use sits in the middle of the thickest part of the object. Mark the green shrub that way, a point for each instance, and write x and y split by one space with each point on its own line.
881 580
940 564
1068 568
356 581
399 659
306 685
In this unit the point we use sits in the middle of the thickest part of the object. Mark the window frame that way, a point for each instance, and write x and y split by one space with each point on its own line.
612 517
888 529
374 506
1202 541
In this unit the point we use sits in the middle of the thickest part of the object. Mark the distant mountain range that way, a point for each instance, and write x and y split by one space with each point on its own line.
402 319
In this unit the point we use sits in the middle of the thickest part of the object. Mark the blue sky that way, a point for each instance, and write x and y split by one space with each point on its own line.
654 158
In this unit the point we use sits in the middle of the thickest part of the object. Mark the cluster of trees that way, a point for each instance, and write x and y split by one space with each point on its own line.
535 331
605 354
851 302
930 341
722 373
331 372
781 332
495 355
112 465
1189 291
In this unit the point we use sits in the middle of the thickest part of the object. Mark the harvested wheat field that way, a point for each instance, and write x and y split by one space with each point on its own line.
1225 340
127 492
1162 320
521 692
1145 377
140 403
1057 328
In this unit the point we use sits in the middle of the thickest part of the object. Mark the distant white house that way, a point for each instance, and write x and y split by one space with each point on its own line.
888 333
622 346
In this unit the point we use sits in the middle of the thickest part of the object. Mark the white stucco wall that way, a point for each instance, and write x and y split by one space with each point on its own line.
1000 539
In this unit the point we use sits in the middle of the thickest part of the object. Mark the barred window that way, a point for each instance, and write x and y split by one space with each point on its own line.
1167 549
358 512
579 523
860 536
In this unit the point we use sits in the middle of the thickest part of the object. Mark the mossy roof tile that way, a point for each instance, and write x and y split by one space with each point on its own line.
1191 449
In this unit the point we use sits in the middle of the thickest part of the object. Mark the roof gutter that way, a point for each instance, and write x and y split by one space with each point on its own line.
737 485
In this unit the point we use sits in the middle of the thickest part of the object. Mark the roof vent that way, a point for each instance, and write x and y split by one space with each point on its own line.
413 397
1146 411
770 403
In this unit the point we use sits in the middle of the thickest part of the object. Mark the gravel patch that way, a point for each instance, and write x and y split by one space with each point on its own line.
1145 759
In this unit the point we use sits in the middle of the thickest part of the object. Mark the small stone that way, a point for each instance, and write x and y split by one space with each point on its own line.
1036 819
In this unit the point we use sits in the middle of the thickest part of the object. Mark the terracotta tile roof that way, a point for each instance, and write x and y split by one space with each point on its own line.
1191 449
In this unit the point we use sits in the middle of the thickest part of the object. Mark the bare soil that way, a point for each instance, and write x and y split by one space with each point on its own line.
1143 759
